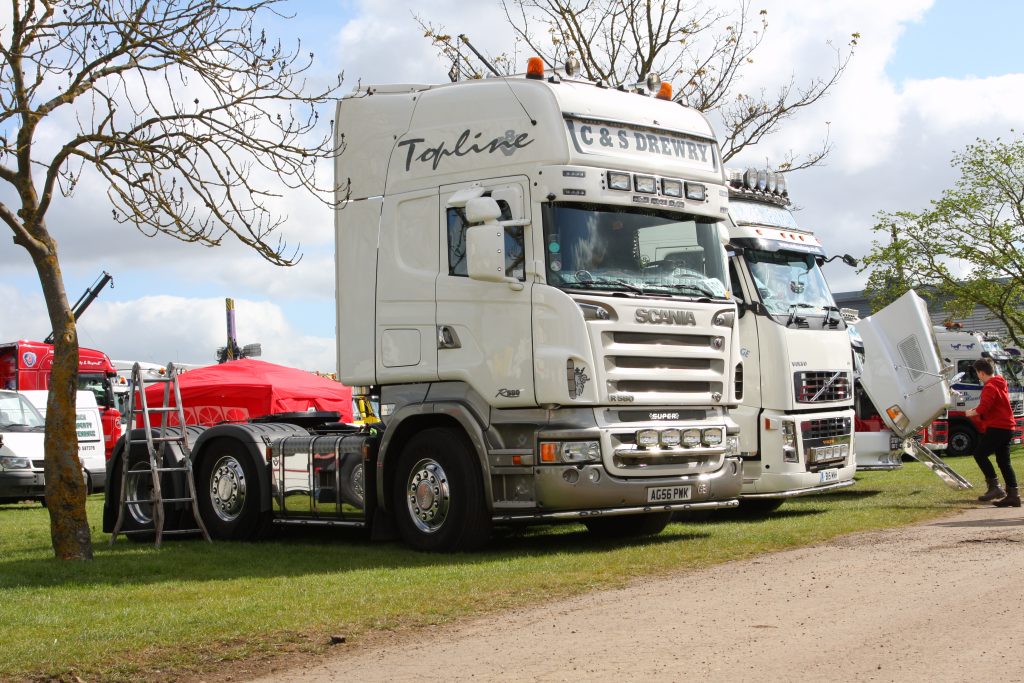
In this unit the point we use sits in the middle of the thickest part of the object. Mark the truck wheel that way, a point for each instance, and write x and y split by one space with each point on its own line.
228 488
438 494
139 487
351 482
961 441
628 526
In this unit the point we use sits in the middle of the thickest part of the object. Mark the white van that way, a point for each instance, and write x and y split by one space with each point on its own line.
21 449
91 450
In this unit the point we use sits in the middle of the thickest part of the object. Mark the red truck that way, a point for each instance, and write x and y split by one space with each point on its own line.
25 365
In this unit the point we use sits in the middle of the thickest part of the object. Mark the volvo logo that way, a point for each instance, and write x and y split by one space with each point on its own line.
664 316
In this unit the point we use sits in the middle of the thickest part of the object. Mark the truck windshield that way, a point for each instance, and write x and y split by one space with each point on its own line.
99 384
789 283
16 411
590 246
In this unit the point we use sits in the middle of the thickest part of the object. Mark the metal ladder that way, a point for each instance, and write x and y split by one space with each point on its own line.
937 465
177 434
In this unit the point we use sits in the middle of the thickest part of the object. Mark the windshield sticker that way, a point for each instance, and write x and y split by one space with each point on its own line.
609 139
751 213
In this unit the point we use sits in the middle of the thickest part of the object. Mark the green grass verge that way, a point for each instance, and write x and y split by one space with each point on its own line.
191 607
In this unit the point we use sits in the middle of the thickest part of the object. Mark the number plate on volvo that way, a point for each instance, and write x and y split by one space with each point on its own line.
828 475
668 494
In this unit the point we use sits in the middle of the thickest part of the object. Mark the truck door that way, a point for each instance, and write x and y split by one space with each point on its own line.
485 335
903 374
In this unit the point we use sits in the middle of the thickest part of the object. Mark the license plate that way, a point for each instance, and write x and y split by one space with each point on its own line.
668 494
828 475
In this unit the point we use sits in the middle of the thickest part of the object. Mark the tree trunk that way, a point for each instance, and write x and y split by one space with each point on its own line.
65 485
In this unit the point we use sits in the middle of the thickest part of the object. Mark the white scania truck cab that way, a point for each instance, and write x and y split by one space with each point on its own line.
796 412
532 277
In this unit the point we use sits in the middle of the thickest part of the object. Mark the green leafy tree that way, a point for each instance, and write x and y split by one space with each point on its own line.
192 118
702 50
965 249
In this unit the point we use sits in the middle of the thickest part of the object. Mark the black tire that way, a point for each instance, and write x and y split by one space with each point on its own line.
438 496
961 441
228 491
760 506
629 526
138 517
351 481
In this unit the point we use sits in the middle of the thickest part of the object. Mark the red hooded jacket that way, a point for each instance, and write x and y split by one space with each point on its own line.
994 408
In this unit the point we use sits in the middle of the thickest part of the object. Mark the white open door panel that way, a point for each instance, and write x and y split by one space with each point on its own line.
903 373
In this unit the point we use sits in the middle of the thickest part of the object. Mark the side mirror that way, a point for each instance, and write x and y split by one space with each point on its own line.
850 261
485 243
957 377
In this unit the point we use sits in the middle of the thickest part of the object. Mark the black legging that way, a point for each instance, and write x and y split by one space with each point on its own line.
995 441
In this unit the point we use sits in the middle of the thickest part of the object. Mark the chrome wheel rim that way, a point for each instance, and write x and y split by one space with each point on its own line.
227 488
428 496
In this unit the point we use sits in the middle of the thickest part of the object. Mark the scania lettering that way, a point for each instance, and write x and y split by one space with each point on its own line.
545 347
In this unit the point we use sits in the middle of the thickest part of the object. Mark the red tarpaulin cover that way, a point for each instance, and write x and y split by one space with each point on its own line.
242 389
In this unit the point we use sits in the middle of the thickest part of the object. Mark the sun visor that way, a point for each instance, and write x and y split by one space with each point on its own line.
903 373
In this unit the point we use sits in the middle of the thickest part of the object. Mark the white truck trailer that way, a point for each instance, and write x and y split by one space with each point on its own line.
531 275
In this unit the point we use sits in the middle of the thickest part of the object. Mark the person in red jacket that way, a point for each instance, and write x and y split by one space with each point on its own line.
995 422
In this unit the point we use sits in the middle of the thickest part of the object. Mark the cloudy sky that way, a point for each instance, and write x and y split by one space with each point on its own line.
928 78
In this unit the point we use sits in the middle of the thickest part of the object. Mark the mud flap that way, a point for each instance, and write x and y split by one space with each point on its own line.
933 462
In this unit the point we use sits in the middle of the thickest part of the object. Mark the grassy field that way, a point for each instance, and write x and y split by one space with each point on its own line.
192 607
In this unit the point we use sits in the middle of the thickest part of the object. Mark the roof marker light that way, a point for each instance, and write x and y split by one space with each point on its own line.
535 68
665 91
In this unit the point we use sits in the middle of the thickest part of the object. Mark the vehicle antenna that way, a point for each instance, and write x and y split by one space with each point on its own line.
465 39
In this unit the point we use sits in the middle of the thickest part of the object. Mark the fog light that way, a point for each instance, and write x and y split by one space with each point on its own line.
594 475
844 450
712 437
571 475
691 438
732 445
647 438
618 181
789 454
645 184
671 438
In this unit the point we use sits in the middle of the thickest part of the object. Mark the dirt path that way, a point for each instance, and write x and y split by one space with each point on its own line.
942 601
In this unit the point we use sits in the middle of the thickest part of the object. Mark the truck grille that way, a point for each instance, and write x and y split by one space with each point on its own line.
678 368
825 428
817 386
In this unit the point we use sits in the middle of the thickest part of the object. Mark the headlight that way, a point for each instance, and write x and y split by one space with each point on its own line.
618 181
570 451
671 188
712 437
10 462
645 184
788 434
691 438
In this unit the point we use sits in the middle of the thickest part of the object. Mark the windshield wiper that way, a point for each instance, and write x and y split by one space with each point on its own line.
601 283
691 287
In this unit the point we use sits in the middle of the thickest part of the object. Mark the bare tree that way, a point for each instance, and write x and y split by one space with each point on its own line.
195 119
621 41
